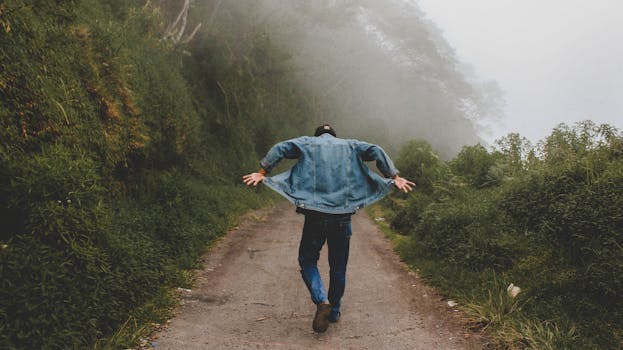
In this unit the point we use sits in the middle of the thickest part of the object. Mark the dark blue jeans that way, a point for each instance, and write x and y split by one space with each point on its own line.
336 231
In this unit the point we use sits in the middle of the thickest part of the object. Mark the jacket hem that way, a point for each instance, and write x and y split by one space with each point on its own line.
346 210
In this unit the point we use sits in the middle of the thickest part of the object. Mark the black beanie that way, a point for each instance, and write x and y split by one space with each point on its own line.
323 129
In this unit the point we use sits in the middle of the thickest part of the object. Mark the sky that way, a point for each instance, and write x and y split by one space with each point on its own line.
555 60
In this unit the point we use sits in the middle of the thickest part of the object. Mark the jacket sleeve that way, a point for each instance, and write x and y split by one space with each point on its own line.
288 149
369 152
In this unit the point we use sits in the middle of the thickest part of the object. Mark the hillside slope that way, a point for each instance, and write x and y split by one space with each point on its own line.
120 158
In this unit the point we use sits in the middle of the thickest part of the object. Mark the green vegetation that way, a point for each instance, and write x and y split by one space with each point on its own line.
120 159
547 219
121 154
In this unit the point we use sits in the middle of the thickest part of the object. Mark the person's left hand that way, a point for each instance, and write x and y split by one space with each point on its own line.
253 179
403 184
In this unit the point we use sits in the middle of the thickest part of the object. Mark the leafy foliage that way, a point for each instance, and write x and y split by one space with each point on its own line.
121 158
546 218
474 164
418 160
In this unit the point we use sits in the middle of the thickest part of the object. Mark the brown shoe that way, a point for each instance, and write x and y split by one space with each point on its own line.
321 320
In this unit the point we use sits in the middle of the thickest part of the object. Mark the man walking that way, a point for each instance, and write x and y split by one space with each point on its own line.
328 184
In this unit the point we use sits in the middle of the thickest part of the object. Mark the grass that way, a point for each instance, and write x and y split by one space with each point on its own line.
381 216
484 298
142 322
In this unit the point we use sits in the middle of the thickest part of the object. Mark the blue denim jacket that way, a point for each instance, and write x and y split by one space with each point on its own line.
330 175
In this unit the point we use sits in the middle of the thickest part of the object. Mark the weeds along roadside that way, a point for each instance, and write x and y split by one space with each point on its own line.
544 218
487 308
120 160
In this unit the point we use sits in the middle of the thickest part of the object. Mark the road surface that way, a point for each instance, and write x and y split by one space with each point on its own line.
250 296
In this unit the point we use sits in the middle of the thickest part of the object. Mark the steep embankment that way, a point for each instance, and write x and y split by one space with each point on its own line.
120 156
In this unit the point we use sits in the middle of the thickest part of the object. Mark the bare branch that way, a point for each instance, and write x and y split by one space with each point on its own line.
175 31
169 30
184 18
190 37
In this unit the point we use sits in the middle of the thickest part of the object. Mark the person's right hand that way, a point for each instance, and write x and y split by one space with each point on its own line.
253 179
403 184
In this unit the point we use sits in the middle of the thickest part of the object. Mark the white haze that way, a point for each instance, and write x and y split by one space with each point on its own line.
378 70
556 60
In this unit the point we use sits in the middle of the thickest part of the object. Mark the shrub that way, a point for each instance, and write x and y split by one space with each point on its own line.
417 160
408 214
474 164
552 225
467 230
117 167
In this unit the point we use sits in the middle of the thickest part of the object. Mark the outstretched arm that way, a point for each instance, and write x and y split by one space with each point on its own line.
286 149
403 184
368 152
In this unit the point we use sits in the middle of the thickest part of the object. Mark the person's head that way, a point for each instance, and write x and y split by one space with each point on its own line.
324 129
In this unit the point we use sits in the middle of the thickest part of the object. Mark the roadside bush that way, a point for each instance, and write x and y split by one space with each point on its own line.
121 158
467 230
417 160
408 213
577 218
474 164
552 224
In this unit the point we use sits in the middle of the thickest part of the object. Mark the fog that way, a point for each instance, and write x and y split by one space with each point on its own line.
556 60
378 70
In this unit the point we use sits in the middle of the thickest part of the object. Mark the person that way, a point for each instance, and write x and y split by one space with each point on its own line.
328 184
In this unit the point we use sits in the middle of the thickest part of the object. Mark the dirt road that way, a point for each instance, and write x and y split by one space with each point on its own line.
250 296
